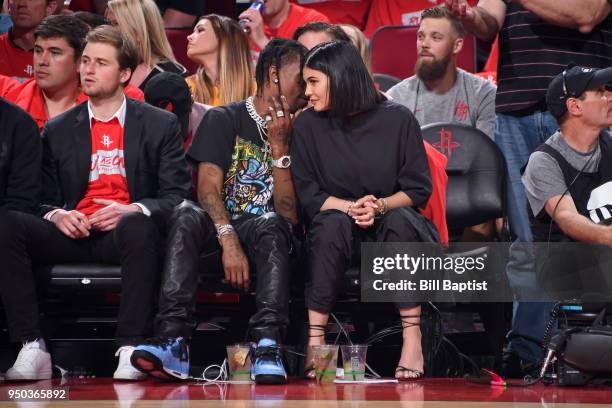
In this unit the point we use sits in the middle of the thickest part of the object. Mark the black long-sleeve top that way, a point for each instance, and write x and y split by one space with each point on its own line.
379 152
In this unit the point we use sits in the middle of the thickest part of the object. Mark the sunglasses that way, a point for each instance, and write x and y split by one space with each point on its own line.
565 93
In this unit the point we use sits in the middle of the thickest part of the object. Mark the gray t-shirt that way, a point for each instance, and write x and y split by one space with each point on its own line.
471 101
543 178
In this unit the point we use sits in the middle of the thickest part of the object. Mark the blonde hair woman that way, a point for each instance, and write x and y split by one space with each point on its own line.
141 22
360 41
221 48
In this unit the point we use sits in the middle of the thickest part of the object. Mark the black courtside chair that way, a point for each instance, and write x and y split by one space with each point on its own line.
385 82
475 194
476 174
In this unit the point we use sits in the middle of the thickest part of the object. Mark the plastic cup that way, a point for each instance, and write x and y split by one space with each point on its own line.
354 361
239 361
325 362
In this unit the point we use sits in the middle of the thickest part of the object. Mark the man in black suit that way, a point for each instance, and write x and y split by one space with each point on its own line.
20 156
113 169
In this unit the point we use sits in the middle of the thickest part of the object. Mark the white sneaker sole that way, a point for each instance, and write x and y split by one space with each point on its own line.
33 376
129 375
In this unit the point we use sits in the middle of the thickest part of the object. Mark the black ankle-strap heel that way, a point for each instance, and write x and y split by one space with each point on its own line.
309 369
401 369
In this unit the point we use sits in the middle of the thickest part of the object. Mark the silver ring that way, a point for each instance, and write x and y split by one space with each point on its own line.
280 114
268 118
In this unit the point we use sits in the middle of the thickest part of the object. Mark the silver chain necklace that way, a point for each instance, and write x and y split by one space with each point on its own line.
262 126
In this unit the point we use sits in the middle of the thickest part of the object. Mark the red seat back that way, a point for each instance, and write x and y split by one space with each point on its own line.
394 51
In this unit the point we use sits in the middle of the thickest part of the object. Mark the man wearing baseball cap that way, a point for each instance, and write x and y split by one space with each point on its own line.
170 91
568 179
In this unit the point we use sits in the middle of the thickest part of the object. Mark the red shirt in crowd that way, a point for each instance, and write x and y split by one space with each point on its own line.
399 12
14 61
28 96
7 84
297 17
435 210
133 92
489 72
107 177
352 12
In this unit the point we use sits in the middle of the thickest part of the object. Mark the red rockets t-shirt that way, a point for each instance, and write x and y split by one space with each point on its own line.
352 12
15 62
399 12
107 178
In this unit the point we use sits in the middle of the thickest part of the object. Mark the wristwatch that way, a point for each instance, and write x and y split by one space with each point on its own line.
282 162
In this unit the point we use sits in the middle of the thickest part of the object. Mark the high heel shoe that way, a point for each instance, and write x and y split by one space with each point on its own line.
309 368
401 369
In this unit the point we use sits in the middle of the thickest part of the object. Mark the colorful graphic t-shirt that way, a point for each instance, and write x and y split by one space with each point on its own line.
228 138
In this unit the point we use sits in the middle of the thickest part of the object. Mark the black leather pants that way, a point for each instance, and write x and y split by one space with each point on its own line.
266 241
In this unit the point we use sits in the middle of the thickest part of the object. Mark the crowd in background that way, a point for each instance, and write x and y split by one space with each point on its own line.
286 131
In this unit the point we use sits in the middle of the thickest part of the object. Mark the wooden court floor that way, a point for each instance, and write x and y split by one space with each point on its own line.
427 393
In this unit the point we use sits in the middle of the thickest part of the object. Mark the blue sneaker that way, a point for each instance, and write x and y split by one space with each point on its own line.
268 363
164 358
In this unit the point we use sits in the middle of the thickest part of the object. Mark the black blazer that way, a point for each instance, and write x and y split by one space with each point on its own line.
20 159
157 173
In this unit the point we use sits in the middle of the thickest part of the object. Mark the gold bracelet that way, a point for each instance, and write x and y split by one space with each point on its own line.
383 210
350 207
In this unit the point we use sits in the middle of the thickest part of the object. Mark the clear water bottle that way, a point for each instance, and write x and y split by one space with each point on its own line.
256 5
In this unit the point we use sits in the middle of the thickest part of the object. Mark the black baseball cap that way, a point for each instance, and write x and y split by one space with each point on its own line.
168 88
573 82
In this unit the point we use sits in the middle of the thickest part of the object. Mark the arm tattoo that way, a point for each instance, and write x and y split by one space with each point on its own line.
212 203
210 196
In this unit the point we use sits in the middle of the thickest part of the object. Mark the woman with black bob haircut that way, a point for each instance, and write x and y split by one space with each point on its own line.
351 88
360 173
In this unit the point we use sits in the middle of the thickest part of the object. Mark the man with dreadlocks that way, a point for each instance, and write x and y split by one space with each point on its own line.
247 206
